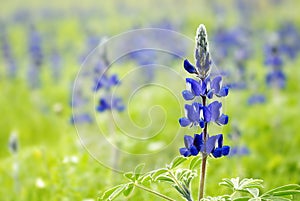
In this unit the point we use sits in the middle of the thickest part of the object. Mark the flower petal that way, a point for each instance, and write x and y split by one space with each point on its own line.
217 153
187 95
198 141
216 84
188 141
225 150
184 122
215 108
189 67
223 120
185 152
223 92
194 151
195 86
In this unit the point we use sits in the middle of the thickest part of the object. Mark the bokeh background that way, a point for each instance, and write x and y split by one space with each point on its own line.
60 138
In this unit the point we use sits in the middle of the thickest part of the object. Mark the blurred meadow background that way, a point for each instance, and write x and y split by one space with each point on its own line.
66 122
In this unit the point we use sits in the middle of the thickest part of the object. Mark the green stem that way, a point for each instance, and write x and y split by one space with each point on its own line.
204 159
153 192
176 181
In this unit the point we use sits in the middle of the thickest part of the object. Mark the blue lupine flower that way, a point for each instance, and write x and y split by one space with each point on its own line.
213 146
81 118
190 148
220 150
217 88
256 99
106 82
201 113
212 113
276 78
110 103
239 151
192 115
289 40
194 88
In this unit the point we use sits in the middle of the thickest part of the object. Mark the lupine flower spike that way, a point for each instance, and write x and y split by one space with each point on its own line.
199 113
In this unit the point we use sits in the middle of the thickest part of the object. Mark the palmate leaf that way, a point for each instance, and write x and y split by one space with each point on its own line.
244 185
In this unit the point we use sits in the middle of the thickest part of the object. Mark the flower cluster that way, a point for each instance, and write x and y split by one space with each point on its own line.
275 77
199 113
106 82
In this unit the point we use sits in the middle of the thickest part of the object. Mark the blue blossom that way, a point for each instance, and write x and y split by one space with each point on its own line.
199 88
276 78
212 113
213 146
192 115
256 99
110 103
190 148
289 40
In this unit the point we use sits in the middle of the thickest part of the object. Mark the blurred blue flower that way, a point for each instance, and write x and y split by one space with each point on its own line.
256 99
110 103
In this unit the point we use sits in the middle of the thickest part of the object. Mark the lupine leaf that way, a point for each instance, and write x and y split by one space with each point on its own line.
138 170
241 199
195 162
227 182
158 172
129 175
164 178
253 191
286 192
128 189
114 192
146 177
282 188
177 161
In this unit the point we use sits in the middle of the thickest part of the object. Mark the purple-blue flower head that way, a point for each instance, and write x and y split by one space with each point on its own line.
192 115
195 145
190 148
212 113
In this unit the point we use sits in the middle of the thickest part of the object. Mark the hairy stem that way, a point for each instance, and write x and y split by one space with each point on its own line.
154 192
204 159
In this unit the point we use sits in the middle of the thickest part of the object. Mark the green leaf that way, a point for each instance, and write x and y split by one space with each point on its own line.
253 191
138 170
145 177
128 189
286 192
241 199
114 192
158 172
164 178
227 182
195 162
129 175
177 161
282 188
